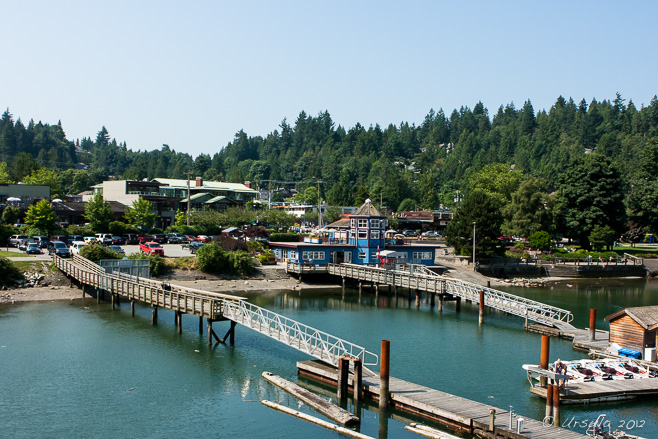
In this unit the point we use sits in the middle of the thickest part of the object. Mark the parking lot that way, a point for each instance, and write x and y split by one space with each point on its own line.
171 251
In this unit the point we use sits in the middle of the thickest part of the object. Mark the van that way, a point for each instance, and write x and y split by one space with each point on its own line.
76 246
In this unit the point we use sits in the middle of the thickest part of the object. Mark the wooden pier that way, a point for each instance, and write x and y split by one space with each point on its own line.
450 410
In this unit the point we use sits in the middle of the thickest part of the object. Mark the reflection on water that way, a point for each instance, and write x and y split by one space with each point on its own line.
91 372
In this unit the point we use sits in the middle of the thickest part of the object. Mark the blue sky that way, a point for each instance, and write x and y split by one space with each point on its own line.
192 74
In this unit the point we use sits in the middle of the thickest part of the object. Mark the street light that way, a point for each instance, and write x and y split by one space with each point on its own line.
474 245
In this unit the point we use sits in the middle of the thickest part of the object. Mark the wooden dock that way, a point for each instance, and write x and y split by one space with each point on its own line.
603 391
450 410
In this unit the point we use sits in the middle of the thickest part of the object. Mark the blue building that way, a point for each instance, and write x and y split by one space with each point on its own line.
364 242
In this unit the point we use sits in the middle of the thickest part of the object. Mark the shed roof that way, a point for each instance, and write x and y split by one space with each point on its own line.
645 316
367 209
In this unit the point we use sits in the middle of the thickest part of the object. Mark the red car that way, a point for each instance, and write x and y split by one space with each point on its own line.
203 238
151 248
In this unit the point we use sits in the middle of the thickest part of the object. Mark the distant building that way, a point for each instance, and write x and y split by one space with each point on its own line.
169 195
634 328
358 239
435 220
27 193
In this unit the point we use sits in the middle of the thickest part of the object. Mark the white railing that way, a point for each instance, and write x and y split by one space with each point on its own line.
297 335
421 278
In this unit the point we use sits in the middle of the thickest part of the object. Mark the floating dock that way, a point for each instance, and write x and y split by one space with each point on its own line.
603 391
450 410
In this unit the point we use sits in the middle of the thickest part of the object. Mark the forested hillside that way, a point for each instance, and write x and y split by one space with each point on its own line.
426 163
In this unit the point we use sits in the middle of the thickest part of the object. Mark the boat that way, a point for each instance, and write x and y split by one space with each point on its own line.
583 371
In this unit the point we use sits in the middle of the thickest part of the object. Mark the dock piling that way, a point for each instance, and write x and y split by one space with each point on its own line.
384 373
481 308
132 307
492 420
556 405
343 372
154 316
543 359
549 401
592 324
358 380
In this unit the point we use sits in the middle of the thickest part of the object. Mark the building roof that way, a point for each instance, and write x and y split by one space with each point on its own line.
343 223
367 209
195 197
425 216
645 316
216 185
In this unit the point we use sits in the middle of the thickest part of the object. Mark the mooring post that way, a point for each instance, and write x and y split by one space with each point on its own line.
98 296
488 284
83 288
154 316
343 372
132 307
592 324
481 308
417 298
431 300
210 332
343 286
384 359
231 337
118 299
113 299
556 404
549 401
360 288
376 290
543 359
440 302
492 419
458 304
358 380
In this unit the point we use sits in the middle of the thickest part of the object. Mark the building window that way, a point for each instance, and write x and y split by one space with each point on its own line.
373 255
363 223
313 256
293 254
422 255
363 234
352 222
374 234
362 255
375 223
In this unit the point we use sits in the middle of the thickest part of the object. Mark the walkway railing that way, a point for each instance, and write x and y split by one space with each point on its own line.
314 342
217 306
423 279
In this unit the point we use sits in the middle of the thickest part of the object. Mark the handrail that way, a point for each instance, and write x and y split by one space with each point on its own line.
426 280
314 342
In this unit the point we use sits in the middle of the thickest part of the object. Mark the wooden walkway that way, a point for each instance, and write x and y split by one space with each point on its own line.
450 410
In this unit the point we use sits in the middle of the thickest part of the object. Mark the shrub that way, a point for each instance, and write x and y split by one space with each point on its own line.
79 230
211 258
541 240
9 273
241 263
155 231
229 244
158 264
5 232
96 252
255 246
119 228
284 237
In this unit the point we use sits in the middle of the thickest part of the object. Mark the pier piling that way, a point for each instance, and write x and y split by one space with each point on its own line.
384 373
592 324
556 404
481 308
549 400
343 373
132 307
358 380
154 316
543 359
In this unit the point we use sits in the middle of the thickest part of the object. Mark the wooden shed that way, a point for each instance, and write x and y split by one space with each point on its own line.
634 328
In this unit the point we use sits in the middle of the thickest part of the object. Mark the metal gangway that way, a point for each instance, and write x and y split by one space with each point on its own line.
216 306
419 277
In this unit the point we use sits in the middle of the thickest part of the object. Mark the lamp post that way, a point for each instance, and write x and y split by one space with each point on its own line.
474 245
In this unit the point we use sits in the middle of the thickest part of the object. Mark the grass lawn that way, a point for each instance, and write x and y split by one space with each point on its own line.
7 254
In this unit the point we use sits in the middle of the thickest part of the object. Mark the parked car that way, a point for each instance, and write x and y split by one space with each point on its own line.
61 238
42 241
430 234
59 248
160 238
104 238
117 249
174 238
203 238
16 240
143 238
90 240
76 238
191 238
117 240
131 239
76 246
33 248
151 248
409 233
194 246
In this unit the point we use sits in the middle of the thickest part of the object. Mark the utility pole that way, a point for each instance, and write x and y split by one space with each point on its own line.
319 207
188 197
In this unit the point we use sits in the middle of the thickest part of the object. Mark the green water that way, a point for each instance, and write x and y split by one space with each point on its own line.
78 369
